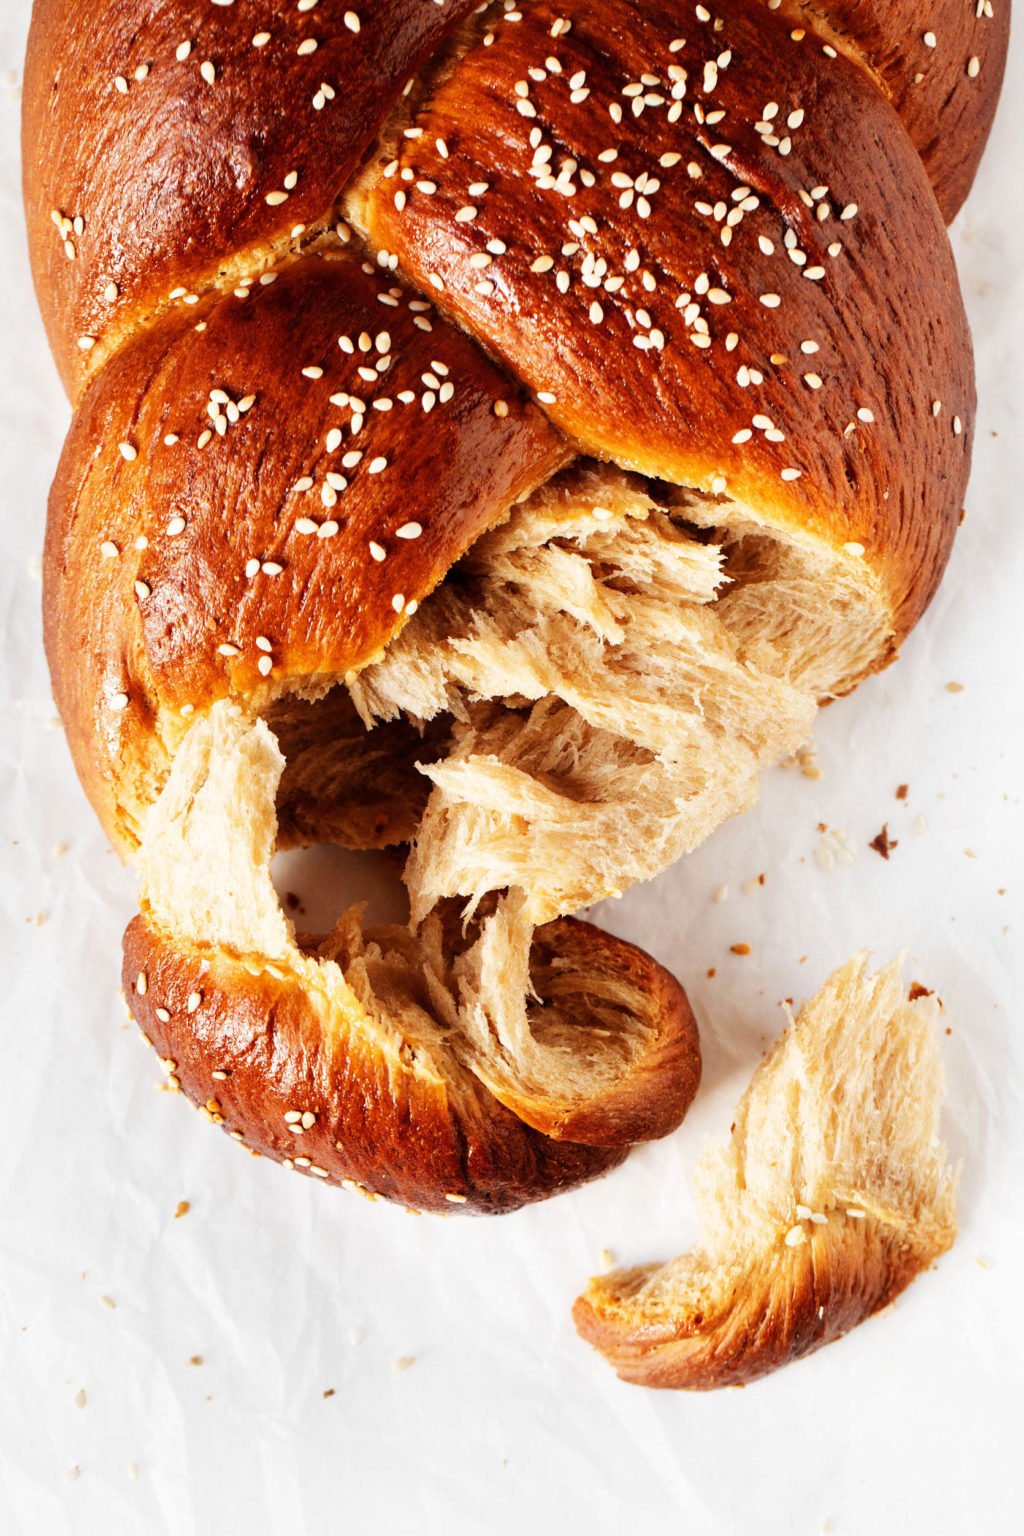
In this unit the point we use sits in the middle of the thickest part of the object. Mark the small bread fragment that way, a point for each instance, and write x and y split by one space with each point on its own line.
833 1192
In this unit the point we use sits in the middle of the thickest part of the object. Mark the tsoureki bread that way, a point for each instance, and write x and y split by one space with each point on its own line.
495 431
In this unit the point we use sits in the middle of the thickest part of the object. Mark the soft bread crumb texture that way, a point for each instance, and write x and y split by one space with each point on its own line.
832 1193
618 676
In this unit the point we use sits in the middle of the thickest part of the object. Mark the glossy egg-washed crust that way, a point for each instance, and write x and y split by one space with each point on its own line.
793 1302
250 584
860 460
175 175
258 1047
940 64
185 167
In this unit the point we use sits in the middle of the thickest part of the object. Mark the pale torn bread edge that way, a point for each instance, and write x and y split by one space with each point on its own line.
832 1194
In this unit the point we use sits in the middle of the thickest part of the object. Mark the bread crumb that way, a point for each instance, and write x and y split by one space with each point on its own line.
982 1262
919 826
882 843
108 1301
607 1258
916 991
403 1362
181 1209
328 1392
722 894
902 790
195 1359
740 949
355 1335
954 687
72 1474
80 1398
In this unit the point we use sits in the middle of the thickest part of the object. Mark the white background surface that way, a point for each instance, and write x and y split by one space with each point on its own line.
506 1422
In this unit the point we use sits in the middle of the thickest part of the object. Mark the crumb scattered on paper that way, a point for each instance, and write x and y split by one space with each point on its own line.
882 843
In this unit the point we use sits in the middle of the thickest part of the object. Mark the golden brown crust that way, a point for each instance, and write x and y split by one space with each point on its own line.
170 173
722 391
411 1125
795 1301
179 172
277 551
941 66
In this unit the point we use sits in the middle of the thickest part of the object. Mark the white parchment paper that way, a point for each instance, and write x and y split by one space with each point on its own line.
170 1374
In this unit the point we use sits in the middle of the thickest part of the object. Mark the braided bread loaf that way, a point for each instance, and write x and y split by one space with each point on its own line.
495 430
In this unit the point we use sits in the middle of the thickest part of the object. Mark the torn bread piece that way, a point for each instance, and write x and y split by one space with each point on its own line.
833 1192
478 1071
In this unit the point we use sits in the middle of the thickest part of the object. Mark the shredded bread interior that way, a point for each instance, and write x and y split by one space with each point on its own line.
538 1017
592 690
615 690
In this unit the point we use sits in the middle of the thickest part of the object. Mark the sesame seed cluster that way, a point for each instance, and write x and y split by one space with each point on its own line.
728 235
284 479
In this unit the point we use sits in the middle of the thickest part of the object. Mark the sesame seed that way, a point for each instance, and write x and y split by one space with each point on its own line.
128 451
